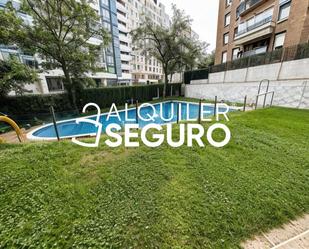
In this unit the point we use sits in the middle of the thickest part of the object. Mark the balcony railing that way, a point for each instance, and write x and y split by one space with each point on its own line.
254 26
256 51
246 5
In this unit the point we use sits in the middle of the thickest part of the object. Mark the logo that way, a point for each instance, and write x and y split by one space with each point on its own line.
147 121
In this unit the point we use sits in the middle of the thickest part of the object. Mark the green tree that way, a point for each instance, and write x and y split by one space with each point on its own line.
170 45
207 60
59 32
14 75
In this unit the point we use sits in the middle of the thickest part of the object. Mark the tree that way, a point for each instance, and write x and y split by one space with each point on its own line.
207 60
14 75
195 51
59 32
170 45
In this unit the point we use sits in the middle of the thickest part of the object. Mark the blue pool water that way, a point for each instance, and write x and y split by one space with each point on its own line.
70 128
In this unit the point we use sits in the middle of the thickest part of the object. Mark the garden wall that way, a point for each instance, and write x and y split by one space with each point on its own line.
289 80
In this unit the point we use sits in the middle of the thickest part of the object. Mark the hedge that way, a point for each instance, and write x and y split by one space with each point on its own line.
35 105
104 97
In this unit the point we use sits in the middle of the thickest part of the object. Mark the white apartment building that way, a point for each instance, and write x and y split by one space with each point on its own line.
124 40
120 65
113 71
145 69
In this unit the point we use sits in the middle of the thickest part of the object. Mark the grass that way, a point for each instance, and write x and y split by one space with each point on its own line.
59 195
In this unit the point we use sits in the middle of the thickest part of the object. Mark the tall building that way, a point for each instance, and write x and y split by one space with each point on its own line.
124 39
145 69
113 69
249 27
118 64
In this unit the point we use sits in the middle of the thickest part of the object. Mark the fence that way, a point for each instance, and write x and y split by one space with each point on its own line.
296 52
34 109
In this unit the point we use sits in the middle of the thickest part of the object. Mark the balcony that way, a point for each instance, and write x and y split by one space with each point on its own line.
125 67
255 31
260 50
121 7
125 48
124 38
122 18
123 28
248 5
125 57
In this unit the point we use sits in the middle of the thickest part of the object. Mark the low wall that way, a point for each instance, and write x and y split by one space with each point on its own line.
287 93
289 80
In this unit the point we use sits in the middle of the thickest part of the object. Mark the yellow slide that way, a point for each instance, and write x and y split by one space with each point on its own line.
14 126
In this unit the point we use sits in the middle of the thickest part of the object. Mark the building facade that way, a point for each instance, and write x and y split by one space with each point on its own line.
124 43
145 69
119 63
250 27
112 70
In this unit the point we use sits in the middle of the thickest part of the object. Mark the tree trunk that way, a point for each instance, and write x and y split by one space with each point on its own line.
69 86
165 81
171 77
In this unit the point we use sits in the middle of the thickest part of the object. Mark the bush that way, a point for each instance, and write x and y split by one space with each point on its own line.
30 107
104 97
30 104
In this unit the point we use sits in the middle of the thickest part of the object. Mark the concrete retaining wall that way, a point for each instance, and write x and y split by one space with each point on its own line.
289 80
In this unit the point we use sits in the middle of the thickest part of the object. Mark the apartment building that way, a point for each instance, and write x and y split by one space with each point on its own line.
124 39
114 68
249 27
145 69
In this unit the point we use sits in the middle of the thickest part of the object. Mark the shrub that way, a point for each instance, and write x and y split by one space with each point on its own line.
35 108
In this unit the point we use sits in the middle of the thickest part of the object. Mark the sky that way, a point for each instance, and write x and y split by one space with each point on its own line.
204 14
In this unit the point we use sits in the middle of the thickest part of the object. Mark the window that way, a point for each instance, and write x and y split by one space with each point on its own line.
226 38
106 14
279 41
235 53
110 60
105 2
227 19
284 11
250 22
264 15
107 26
228 2
224 57
54 84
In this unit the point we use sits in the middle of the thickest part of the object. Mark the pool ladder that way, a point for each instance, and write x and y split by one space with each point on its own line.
264 94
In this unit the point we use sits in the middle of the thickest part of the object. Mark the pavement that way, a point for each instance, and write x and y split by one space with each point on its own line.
293 235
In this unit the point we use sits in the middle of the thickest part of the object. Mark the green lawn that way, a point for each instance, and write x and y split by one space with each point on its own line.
59 195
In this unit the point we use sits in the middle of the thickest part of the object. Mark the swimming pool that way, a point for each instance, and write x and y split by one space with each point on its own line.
69 128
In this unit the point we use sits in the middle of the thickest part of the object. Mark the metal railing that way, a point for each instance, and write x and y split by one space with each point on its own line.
264 94
254 26
256 51
296 52
246 5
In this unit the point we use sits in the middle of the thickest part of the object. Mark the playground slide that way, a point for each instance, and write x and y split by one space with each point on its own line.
14 126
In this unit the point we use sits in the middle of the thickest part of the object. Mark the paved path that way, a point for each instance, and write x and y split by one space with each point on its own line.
11 137
294 235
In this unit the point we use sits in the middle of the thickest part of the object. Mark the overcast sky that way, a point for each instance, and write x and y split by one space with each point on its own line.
204 14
